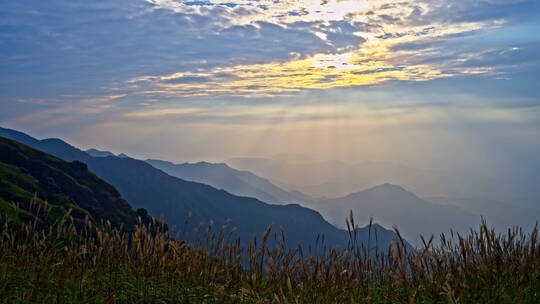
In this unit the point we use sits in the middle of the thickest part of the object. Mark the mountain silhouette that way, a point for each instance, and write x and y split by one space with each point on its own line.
172 198
221 176
99 153
334 178
392 205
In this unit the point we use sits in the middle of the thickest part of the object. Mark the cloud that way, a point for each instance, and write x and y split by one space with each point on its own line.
186 79
89 46
382 40
474 11
165 51
381 70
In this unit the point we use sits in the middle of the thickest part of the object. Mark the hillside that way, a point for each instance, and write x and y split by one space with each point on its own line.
28 175
112 266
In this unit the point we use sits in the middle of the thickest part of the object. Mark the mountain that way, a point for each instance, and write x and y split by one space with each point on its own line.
393 205
29 178
330 178
99 153
337 178
221 176
163 195
326 190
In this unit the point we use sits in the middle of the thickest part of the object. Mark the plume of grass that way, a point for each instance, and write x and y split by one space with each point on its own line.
99 263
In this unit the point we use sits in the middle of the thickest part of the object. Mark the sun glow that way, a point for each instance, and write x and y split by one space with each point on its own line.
373 61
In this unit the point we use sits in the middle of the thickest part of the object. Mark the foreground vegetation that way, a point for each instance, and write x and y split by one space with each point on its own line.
103 264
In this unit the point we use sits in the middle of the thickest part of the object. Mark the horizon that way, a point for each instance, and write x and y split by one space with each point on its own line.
333 182
441 86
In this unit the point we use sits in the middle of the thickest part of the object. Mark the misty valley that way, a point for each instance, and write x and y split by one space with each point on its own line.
214 224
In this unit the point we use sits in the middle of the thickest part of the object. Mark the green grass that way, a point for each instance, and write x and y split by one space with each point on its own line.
102 264
28 175
11 212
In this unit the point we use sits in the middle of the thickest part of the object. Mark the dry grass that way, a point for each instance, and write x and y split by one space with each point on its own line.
102 264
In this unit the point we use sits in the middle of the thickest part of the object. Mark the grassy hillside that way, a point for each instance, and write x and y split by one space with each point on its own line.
33 183
139 267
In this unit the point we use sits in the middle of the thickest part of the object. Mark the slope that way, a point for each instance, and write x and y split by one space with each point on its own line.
29 178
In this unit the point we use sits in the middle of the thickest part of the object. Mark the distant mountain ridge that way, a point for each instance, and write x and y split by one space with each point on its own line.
329 178
221 176
161 194
99 153
334 178
393 205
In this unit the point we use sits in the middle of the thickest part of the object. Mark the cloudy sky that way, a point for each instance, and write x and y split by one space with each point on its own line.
436 83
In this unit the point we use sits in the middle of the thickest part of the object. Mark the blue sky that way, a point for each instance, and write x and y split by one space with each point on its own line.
439 83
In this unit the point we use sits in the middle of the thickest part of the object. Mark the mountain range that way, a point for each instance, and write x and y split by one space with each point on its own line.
99 153
215 191
174 199
221 176
334 178
389 204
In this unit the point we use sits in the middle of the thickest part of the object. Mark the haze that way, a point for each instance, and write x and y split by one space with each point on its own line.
446 86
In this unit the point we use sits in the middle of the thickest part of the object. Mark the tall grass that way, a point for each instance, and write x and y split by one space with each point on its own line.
104 264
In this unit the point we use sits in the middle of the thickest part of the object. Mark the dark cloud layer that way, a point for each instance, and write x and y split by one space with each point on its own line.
50 48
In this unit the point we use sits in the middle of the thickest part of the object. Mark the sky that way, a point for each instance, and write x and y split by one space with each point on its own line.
427 83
